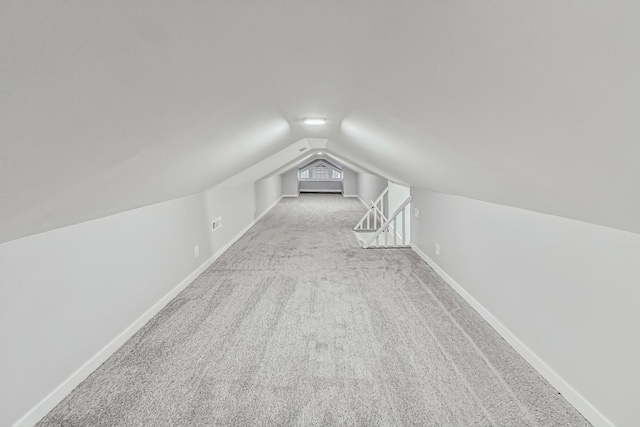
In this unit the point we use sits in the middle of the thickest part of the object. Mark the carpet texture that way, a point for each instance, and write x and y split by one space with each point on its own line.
296 325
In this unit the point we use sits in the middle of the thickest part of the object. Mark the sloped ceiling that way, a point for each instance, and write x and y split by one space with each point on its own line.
108 106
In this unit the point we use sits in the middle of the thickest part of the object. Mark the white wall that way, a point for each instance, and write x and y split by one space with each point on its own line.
568 290
290 182
317 186
370 186
267 191
349 182
235 205
67 293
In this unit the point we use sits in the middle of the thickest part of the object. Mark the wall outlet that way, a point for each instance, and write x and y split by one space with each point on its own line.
416 212
437 249
196 251
217 223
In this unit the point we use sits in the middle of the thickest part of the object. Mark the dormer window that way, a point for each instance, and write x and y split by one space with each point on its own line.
320 170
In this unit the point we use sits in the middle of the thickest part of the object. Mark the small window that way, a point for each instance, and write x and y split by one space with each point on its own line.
304 174
335 174
321 172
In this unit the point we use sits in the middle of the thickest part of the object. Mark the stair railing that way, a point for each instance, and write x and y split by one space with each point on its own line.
390 226
374 214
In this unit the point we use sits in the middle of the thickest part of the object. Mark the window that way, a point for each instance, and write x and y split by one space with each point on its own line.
321 172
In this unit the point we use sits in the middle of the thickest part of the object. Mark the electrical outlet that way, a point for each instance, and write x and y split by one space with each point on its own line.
196 251
416 212
217 223
437 249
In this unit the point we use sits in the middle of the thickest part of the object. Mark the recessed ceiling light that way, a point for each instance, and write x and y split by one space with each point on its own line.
314 121
319 152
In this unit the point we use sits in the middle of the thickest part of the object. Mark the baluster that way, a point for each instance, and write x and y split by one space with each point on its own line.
386 236
375 219
368 220
404 240
395 231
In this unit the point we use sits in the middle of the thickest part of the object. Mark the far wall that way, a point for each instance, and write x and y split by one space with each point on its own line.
349 182
291 183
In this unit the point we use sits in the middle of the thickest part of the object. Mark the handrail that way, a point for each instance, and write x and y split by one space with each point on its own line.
388 222
374 205
386 190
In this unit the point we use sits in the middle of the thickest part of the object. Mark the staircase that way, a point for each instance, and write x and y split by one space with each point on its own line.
376 231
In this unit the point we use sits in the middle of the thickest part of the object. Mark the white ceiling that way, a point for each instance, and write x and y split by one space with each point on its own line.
108 106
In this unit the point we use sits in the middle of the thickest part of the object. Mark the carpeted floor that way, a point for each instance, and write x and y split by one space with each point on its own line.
296 325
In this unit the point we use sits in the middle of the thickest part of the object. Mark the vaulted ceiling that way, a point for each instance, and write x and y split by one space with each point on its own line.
108 106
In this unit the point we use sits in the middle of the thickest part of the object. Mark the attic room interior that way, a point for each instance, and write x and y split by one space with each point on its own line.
319 213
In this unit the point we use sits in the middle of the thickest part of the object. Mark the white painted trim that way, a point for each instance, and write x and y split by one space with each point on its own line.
589 411
290 195
52 399
258 218
349 195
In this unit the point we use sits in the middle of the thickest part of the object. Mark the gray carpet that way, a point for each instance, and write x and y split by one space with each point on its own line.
296 325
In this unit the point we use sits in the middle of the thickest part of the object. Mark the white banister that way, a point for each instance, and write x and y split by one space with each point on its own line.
385 228
376 209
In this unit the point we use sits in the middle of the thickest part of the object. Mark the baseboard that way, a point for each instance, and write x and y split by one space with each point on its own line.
257 219
572 395
289 195
57 395
349 195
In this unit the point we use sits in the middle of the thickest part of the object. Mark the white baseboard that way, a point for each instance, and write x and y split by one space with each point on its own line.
255 220
56 396
289 195
572 395
349 195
